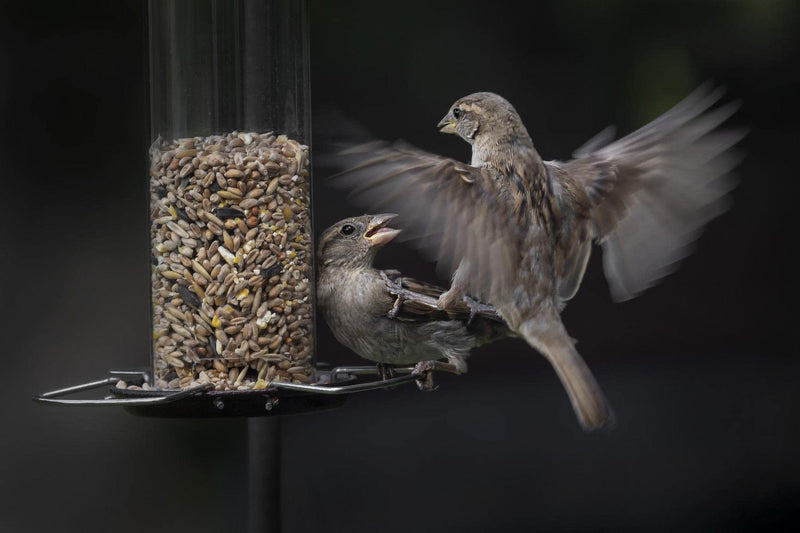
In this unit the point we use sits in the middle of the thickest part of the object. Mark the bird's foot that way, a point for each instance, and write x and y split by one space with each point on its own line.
476 307
426 368
394 284
396 288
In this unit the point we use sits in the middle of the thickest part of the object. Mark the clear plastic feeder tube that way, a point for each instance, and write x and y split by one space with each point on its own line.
230 193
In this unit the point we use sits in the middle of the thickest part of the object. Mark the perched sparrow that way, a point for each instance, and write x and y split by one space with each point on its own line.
519 229
383 316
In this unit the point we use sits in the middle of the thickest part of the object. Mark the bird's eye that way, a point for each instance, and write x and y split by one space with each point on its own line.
457 112
347 229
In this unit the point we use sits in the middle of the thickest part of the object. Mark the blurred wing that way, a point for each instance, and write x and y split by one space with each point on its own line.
647 196
450 210
598 141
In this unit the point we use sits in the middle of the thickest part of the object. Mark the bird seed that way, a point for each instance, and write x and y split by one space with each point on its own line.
231 248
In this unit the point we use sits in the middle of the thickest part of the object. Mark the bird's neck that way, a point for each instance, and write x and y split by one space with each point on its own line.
333 277
354 289
511 155
500 151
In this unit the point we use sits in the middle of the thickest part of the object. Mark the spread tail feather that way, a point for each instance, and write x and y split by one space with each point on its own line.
550 338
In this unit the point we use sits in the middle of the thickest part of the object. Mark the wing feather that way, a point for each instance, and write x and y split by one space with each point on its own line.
450 210
649 193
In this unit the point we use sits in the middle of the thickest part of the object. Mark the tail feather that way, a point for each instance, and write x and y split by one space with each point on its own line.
551 339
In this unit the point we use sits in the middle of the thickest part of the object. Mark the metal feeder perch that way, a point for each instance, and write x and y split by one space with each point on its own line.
280 398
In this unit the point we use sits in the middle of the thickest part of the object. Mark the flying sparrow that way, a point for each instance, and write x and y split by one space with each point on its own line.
516 231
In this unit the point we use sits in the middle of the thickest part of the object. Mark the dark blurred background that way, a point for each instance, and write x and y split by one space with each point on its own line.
703 370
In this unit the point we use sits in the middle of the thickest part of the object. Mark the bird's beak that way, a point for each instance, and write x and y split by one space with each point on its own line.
447 124
377 233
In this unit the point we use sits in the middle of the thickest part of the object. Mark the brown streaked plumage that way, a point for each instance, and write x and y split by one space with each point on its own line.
517 230
356 300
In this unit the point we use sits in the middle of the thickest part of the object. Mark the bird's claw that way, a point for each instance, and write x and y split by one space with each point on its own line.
395 307
426 368
476 307
396 288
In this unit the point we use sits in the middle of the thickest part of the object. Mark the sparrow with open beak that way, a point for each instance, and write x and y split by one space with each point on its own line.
361 304
516 231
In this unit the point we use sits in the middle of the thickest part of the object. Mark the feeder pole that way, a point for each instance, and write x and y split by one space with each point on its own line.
264 467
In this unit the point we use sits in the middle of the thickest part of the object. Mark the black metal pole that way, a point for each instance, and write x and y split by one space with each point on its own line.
264 462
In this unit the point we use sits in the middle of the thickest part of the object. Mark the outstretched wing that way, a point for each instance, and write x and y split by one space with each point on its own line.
647 196
451 210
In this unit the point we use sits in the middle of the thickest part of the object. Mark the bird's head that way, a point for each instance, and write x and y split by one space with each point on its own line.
353 242
481 116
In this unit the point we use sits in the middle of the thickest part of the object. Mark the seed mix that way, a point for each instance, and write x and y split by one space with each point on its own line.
232 261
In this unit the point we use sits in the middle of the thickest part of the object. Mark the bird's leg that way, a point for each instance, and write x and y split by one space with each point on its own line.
449 297
426 368
385 371
458 287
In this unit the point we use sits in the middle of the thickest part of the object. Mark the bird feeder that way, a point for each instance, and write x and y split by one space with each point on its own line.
230 234
230 195
230 231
